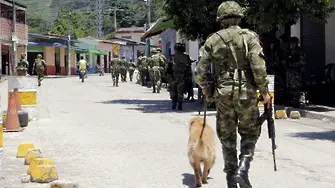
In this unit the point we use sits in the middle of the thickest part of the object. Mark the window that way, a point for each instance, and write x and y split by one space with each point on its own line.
126 37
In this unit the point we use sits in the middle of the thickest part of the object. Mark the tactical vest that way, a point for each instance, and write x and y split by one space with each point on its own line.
155 61
234 73
181 63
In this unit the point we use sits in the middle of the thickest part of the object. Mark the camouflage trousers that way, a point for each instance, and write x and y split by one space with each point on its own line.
115 75
233 117
40 76
123 72
177 88
143 73
131 73
156 78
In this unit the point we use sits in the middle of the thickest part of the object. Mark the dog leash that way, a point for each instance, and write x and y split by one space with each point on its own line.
205 112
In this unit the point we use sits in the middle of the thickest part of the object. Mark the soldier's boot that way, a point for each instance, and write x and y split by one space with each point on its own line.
230 180
180 105
241 176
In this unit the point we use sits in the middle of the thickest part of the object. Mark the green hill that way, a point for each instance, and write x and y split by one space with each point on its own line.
43 13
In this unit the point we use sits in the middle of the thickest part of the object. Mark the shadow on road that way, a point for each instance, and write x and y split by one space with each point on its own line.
154 106
327 135
188 180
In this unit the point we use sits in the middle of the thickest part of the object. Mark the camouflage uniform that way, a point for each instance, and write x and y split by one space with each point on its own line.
39 67
22 66
123 70
180 67
131 69
157 66
295 62
169 73
239 70
115 71
142 68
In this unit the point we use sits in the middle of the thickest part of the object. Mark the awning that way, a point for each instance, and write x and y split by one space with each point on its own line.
98 52
54 44
160 26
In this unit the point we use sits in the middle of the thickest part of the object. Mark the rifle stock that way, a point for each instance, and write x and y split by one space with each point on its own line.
267 116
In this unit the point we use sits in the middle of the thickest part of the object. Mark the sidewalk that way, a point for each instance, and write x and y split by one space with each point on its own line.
318 112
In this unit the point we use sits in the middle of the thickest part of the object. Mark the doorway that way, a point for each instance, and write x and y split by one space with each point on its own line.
31 60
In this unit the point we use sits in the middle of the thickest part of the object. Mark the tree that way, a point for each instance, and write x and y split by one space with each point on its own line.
197 19
38 25
80 24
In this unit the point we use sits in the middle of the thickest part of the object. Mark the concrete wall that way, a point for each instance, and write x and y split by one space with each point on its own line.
168 41
330 38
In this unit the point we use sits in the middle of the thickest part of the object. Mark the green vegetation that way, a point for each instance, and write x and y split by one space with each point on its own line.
52 15
196 19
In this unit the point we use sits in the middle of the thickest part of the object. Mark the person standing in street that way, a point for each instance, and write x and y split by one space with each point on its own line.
22 66
239 70
115 70
39 67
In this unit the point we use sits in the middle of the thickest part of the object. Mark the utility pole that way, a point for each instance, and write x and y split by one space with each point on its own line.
114 9
99 19
14 41
147 50
68 44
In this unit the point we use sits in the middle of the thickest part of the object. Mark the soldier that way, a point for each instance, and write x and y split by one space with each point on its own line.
114 67
180 66
142 68
239 70
131 69
22 66
39 67
123 69
157 67
169 73
295 63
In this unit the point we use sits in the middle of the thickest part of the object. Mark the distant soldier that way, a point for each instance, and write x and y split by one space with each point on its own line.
39 67
114 68
295 66
180 67
123 69
131 69
22 66
157 67
142 68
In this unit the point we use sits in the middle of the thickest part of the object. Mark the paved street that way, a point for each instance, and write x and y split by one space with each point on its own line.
127 137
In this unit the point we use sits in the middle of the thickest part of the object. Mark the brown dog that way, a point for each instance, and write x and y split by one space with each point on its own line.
201 150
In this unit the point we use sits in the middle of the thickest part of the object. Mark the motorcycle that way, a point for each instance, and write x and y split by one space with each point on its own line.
82 75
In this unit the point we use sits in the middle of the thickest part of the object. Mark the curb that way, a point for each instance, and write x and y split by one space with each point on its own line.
306 113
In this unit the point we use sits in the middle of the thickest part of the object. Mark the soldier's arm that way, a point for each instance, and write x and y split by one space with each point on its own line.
203 65
257 64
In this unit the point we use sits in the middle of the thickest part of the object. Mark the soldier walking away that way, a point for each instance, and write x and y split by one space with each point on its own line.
169 73
180 66
131 69
39 67
142 68
295 66
156 68
123 69
238 61
115 69
22 66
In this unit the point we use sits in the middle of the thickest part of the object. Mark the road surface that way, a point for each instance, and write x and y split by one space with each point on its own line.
127 137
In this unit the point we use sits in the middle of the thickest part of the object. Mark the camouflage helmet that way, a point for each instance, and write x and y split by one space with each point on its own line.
229 9
158 50
39 56
23 55
153 50
115 54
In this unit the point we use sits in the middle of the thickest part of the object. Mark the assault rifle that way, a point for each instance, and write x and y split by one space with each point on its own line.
267 116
